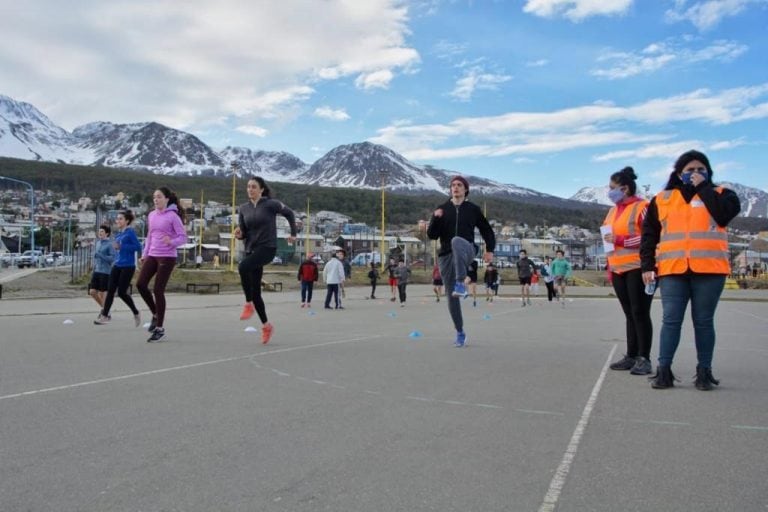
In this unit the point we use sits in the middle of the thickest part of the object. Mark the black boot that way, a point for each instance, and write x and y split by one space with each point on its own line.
663 378
704 379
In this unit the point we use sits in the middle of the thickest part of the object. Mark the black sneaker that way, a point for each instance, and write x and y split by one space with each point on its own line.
625 363
663 379
157 335
642 366
152 324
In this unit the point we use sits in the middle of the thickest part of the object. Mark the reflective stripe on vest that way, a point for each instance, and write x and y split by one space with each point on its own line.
689 239
622 259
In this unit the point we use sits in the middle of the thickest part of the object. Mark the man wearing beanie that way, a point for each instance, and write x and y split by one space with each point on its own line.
454 223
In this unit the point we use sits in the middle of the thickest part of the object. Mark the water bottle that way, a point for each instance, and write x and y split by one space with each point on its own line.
650 288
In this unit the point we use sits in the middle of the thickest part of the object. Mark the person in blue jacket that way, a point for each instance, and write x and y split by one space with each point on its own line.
127 246
103 257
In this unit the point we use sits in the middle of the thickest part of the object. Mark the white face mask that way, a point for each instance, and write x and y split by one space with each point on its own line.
615 195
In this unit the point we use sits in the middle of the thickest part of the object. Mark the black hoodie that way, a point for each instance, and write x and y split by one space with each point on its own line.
460 221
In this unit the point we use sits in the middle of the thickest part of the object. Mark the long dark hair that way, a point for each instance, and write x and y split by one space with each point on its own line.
682 161
626 178
127 215
265 192
172 199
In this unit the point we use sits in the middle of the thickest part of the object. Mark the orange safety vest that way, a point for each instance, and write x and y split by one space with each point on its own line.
690 237
622 259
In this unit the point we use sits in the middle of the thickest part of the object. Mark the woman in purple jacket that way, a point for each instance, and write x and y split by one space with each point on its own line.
165 232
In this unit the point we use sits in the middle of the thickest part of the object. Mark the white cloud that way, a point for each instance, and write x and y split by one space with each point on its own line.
447 50
376 80
258 131
708 14
658 55
476 79
576 10
331 114
186 64
668 150
578 127
537 63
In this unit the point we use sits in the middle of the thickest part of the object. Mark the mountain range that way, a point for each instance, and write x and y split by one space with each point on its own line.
26 133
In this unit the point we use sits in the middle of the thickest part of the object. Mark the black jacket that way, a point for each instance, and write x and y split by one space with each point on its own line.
722 207
460 221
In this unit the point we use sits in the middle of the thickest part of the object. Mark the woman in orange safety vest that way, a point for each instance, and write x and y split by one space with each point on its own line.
625 219
685 244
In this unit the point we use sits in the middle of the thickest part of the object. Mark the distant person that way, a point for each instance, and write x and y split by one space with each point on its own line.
491 281
347 272
472 276
103 257
165 233
198 261
215 261
128 247
454 223
525 269
391 271
626 222
257 228
685 245
549 279
437 282
373 278
403 273
333 276
307 276
561 271
535 284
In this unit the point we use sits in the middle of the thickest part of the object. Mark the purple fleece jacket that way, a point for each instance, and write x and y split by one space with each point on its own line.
164 223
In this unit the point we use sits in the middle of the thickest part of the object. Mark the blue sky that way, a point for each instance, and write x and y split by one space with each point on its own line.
548 94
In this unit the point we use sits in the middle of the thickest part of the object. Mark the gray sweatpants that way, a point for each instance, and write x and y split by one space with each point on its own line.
453 267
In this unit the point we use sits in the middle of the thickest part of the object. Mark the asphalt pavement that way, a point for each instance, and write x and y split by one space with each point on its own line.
371 408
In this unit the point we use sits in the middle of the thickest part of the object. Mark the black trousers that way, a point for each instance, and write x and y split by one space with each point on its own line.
636 305
251 270
119 279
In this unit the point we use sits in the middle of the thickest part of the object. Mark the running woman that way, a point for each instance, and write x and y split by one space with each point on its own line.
165 233
103 257
127 246
258 230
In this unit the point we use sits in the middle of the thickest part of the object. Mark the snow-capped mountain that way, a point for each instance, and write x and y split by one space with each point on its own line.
27 133
270 165
754 202
598 195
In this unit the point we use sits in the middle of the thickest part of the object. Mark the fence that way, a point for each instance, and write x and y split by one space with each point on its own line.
82 262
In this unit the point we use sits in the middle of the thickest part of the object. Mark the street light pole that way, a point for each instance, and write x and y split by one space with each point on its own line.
32 208
383 175
232 221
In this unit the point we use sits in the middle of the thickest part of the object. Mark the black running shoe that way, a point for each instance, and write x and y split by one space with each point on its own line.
625 363
157 335
152 324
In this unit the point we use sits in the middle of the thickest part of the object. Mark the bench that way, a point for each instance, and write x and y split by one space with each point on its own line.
277 286
209 287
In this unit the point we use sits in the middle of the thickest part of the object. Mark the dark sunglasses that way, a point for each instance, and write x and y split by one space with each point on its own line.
700 170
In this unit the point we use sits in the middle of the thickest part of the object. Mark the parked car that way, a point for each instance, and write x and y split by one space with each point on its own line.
8 259
54 258
277 260
504 264
29 258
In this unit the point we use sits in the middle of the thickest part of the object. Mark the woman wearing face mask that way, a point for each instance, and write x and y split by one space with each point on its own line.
685 244
626 222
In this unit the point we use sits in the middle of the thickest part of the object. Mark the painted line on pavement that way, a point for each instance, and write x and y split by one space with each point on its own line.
558 480
184 367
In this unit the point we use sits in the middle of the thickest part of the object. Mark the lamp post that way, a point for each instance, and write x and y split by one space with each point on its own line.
383 174
32 208
233 221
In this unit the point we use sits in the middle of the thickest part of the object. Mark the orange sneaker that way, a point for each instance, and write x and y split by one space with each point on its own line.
248 311
266 333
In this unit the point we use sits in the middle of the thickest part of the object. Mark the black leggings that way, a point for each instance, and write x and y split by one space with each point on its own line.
636 305
550 290
251 270
119 279
163 267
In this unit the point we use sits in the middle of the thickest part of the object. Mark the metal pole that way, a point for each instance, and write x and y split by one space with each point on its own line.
232 222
